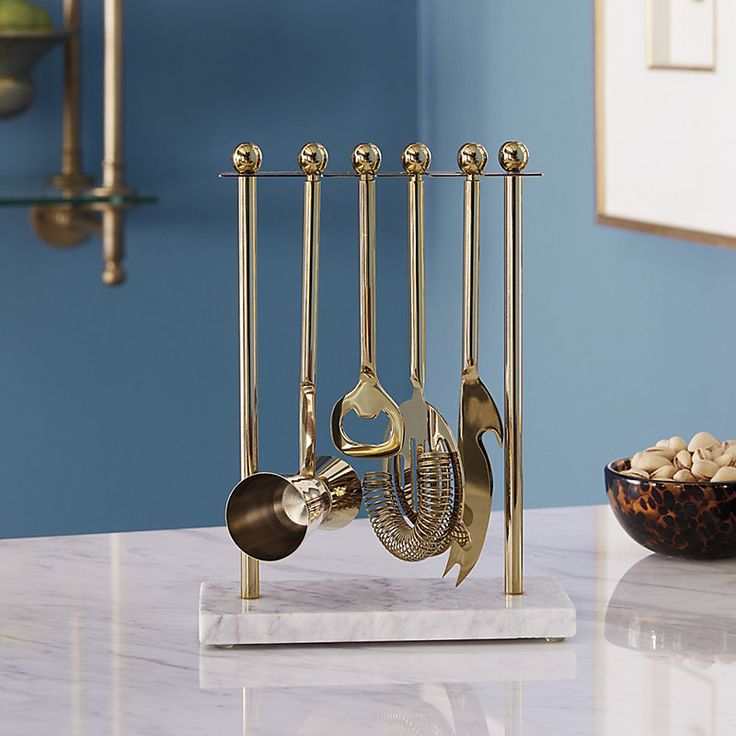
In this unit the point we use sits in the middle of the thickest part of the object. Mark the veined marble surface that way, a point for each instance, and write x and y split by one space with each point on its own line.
368 609
98 635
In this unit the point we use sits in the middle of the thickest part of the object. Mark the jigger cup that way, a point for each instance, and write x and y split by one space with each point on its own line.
269 515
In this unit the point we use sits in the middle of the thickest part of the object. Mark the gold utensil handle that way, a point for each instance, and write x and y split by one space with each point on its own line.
367 207
247 159
366 161
368 399
513 157
472 159
312 160
471 256
416 159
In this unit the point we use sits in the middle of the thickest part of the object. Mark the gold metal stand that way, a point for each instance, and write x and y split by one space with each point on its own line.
513 157
269 515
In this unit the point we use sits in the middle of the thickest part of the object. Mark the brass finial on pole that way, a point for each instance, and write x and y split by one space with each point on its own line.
247 160
513 157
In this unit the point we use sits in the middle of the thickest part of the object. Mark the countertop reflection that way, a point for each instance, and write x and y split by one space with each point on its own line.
98 634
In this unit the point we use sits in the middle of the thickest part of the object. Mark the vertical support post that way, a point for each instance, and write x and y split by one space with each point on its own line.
71 175
247 160
513 157
112 163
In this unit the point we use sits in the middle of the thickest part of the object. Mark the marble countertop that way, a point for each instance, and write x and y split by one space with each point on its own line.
98 635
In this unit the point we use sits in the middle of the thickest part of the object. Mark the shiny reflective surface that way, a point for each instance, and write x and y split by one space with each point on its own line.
269 515
478 411
247 157
513 157
101 637
368 398
425 476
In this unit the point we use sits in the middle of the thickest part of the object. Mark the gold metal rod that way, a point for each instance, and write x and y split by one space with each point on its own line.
112 246
71 165
416 279
367 208
112 163
471 256
250 583
247 157
307 392
513 157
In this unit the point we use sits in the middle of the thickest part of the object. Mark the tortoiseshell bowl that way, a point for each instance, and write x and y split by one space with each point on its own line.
696 520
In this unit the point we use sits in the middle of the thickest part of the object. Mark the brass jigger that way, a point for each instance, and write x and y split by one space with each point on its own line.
368 399
478 410
426 473
269 515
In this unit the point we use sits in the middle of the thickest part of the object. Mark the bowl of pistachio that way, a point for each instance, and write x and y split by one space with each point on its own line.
678 498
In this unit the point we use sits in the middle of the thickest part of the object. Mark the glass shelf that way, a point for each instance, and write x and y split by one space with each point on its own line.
379 175
20 192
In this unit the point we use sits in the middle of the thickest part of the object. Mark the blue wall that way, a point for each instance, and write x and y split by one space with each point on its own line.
627 336
119 408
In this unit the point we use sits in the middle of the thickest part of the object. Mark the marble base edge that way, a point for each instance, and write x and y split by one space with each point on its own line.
384 610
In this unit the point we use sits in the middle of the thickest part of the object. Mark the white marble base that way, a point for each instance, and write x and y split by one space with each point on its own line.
384 610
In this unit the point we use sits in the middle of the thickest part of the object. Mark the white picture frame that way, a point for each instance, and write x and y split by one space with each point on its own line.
665 146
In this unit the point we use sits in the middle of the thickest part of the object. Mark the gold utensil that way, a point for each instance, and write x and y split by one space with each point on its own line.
425 474
478 411
513 157
368 399
269 515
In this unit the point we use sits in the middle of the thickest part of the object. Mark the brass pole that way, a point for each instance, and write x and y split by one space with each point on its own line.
247 160
71 151
513 157
112 163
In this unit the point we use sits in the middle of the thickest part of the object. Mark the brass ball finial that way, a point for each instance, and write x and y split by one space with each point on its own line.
416 158
366 158
247 158
113 274
313 158
513 156
472 158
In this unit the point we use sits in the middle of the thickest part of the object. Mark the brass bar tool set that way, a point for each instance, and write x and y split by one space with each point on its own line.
433 493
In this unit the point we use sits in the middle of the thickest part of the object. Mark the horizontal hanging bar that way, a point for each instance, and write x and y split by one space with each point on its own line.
379 175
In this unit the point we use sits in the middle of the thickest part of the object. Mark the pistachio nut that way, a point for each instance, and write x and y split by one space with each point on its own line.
677 443
666 472
704 469
724 475
634 473
702 441
684 476
683 459
649 461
